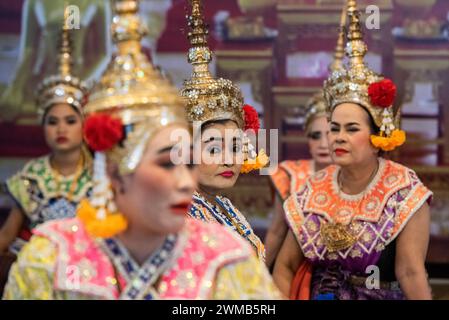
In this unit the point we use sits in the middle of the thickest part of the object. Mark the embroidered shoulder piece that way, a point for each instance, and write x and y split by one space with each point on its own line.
209 247
40 171
18 189
407 202
325 199
291 175
293 208
34 185
199 210
81 265
401 195
227 215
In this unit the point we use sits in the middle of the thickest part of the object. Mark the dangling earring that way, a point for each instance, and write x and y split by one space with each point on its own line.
253 160
99 214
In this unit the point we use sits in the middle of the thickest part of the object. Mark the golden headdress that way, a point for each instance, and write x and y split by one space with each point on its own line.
126 107
62 87
132 90
317 106
360 85
208 98
213 99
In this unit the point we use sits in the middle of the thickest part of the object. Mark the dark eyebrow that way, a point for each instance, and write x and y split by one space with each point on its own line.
165 149
211 139
169 148
346 124
52 118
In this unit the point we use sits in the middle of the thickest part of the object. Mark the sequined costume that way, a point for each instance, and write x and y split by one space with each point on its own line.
212 99
291 175
345 238
83 257
201 262
37 193
372 221
37 189
227 215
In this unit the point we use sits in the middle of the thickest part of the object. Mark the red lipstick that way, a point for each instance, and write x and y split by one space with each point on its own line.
227 174
61 140
340 152
180 208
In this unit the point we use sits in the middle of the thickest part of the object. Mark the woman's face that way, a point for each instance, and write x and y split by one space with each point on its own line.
318 142
221 155
63 128
349 135
156 197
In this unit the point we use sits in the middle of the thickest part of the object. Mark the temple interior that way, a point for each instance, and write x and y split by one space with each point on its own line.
278 52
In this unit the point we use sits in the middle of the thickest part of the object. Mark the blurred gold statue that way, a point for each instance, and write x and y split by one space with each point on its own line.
251 25
41 22
154 16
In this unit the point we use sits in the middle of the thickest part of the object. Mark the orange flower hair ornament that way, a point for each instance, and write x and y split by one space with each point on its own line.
99 214
382 95
253 161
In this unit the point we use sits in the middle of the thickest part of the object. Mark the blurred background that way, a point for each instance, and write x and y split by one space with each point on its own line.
278 51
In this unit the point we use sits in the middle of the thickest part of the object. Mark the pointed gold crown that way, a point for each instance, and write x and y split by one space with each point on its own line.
62 87
207 98
132 90
351 85
316 106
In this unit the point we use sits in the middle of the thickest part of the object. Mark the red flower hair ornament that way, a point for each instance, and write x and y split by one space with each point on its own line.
102 131
382 93
254 161
251 118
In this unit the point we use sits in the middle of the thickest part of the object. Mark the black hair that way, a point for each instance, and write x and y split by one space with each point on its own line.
373 127
210 123
44 116
375 130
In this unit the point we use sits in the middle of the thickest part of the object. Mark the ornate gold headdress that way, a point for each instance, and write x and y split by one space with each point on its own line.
316 106
62 87
127 106
208 98
132 90
360 85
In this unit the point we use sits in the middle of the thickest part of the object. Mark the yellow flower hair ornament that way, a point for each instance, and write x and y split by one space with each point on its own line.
396 139
382 95
99 214
106 227
257 163
253 161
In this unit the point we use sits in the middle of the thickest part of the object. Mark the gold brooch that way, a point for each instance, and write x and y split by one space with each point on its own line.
337 236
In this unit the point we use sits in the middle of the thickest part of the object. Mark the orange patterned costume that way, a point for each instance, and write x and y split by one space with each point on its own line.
343 234
291 175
